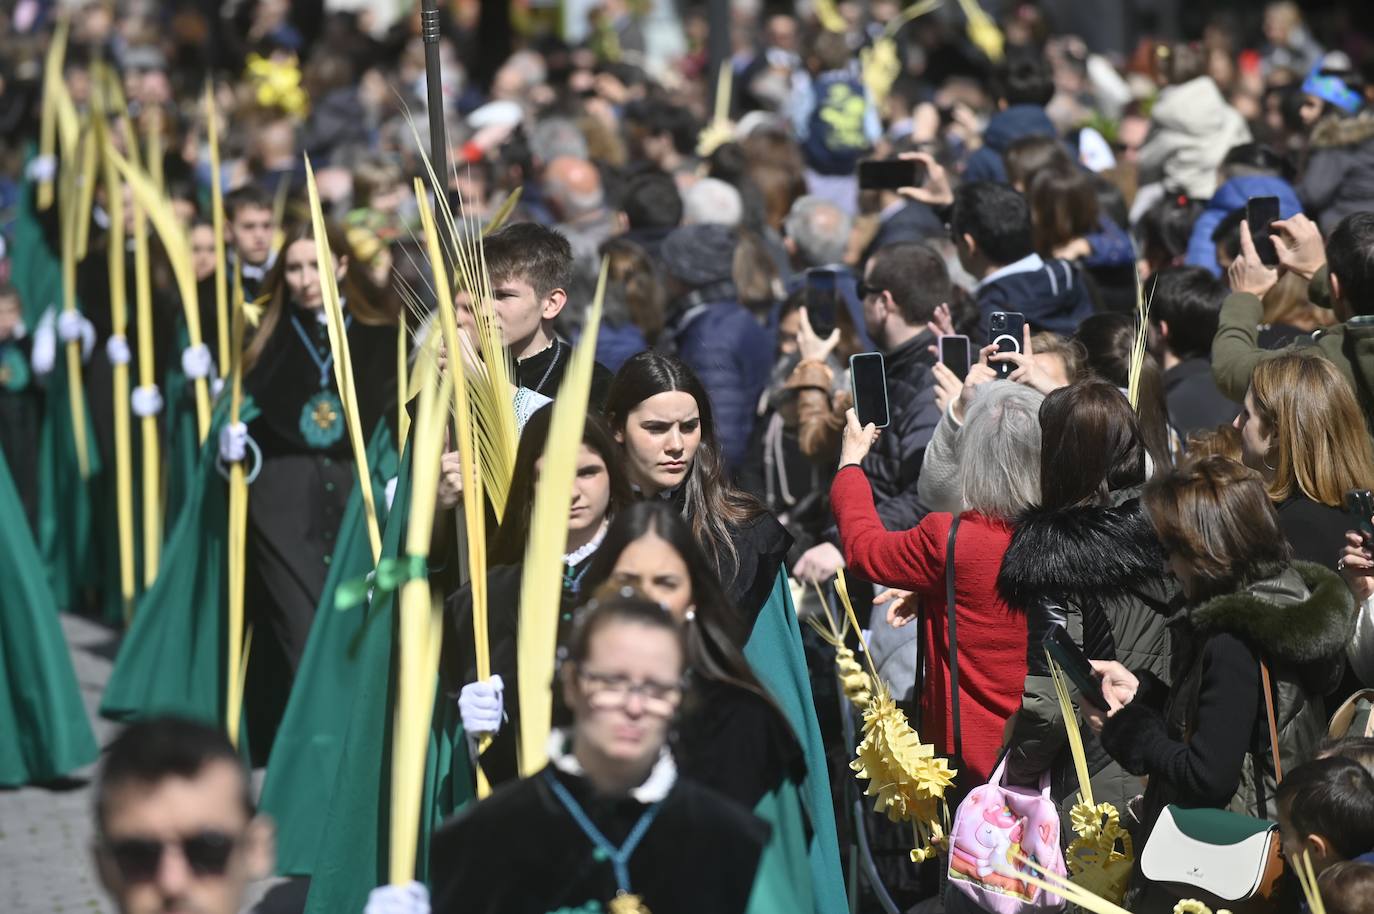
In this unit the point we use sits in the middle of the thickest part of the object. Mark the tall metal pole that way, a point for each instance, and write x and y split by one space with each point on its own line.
438 157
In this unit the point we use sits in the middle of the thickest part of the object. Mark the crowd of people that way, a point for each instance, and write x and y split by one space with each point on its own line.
1122 296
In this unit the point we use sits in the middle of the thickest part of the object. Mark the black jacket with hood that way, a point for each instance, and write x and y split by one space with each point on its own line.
1202 741
1099 572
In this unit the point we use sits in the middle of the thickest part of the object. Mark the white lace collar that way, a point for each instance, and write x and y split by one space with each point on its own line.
655 787
577 556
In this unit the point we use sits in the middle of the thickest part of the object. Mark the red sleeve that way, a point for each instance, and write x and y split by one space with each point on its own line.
912 559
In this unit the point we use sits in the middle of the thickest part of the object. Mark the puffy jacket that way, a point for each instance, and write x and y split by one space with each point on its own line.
1050 293
1099 572
1204 742
1003 128
1192 129
615 345
1339 178
1231 196
731 354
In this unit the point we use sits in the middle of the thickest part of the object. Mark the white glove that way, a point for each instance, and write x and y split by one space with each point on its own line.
390 491
233 442
41 168
216 386
196 362
412 898
44 354
71 326
117 350
147 401
481 706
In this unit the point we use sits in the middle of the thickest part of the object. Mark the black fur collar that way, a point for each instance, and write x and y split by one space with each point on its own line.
1302 615
1079 554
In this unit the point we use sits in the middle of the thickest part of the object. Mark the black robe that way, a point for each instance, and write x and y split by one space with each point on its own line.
499 761
297 502
521 852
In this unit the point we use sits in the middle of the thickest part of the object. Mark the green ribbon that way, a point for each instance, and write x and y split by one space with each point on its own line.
391 574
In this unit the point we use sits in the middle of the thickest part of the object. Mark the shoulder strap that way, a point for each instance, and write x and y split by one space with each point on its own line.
953 639
1273 723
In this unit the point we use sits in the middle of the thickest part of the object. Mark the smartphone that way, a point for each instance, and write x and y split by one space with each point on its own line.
868 382
822 299
1007 332
890 174
954 354
1075 665
1260 214
1359 504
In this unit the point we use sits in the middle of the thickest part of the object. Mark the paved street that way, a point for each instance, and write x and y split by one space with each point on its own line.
45 833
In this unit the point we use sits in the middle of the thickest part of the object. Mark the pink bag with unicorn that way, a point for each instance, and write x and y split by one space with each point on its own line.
994 827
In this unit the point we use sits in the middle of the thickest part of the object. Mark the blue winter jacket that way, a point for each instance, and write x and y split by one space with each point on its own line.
1231 196
732 354
615 345
1003 128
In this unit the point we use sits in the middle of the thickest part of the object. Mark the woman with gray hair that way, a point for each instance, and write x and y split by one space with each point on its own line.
1000 479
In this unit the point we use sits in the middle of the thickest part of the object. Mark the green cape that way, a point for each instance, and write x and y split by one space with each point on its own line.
775 652
353 851
45 730
305 756
172 660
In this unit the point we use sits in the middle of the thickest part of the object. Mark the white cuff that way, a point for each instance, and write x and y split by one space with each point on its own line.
196 362
41 168
147 401
117 350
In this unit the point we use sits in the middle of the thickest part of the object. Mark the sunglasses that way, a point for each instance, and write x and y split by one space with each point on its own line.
865 290
207 853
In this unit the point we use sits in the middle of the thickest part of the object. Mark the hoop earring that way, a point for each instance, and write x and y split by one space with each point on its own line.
1265 461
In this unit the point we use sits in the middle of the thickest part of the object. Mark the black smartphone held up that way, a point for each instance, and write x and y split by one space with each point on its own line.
868 381
1260 214
822 298
954 354
1075 665
1359 504
890 174
1007 332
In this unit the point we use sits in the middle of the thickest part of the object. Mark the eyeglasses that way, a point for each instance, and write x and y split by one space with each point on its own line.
207 853
612 692
865 290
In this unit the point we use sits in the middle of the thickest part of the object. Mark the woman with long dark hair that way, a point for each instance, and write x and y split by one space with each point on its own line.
661 415
1108 340
600 492
306 468
1086 559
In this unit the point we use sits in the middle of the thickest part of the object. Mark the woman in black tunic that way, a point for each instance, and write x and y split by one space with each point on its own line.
661 415
307 468
607 825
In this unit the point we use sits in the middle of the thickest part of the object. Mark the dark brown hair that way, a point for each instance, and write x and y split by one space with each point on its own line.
619 604
1027 156
511 539
712 504
631 269
367 302
1215 515
529 252
1063 206
1107 339
1091 445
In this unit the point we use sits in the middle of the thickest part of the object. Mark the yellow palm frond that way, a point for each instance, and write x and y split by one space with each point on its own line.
541 583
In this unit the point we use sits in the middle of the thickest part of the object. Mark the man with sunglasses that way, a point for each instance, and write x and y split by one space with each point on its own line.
175 825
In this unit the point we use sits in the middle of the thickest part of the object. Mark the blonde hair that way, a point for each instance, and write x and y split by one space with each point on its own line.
1323 447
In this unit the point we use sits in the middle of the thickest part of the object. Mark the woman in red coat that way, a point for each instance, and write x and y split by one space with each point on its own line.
998 449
